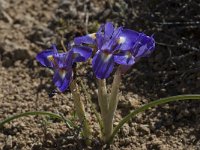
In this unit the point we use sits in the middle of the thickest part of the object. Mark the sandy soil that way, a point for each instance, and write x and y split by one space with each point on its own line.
27 27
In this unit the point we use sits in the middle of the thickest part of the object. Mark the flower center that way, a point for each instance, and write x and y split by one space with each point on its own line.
128 54
106 56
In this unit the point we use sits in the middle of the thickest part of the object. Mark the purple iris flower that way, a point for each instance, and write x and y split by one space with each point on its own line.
116 45
106 41
138 45
62 63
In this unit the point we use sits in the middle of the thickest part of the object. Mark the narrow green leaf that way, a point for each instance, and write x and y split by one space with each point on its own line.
52 115
149 105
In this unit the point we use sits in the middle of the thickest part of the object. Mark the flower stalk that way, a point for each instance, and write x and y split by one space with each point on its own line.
113 102
102 96
103 102
80 110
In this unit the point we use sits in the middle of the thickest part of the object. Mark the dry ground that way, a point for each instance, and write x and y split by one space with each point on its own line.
27 27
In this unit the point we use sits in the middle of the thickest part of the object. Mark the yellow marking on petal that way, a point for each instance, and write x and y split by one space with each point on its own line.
75 55
93 35
62 73
50 58
121 40
128 54
72 43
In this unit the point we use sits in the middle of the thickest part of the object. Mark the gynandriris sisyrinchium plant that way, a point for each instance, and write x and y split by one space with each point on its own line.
62 64
111 50
114 45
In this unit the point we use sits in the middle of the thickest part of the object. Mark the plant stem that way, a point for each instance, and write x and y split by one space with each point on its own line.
103 102
102 96
113 102
149 105
80 110
53 115
98 117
